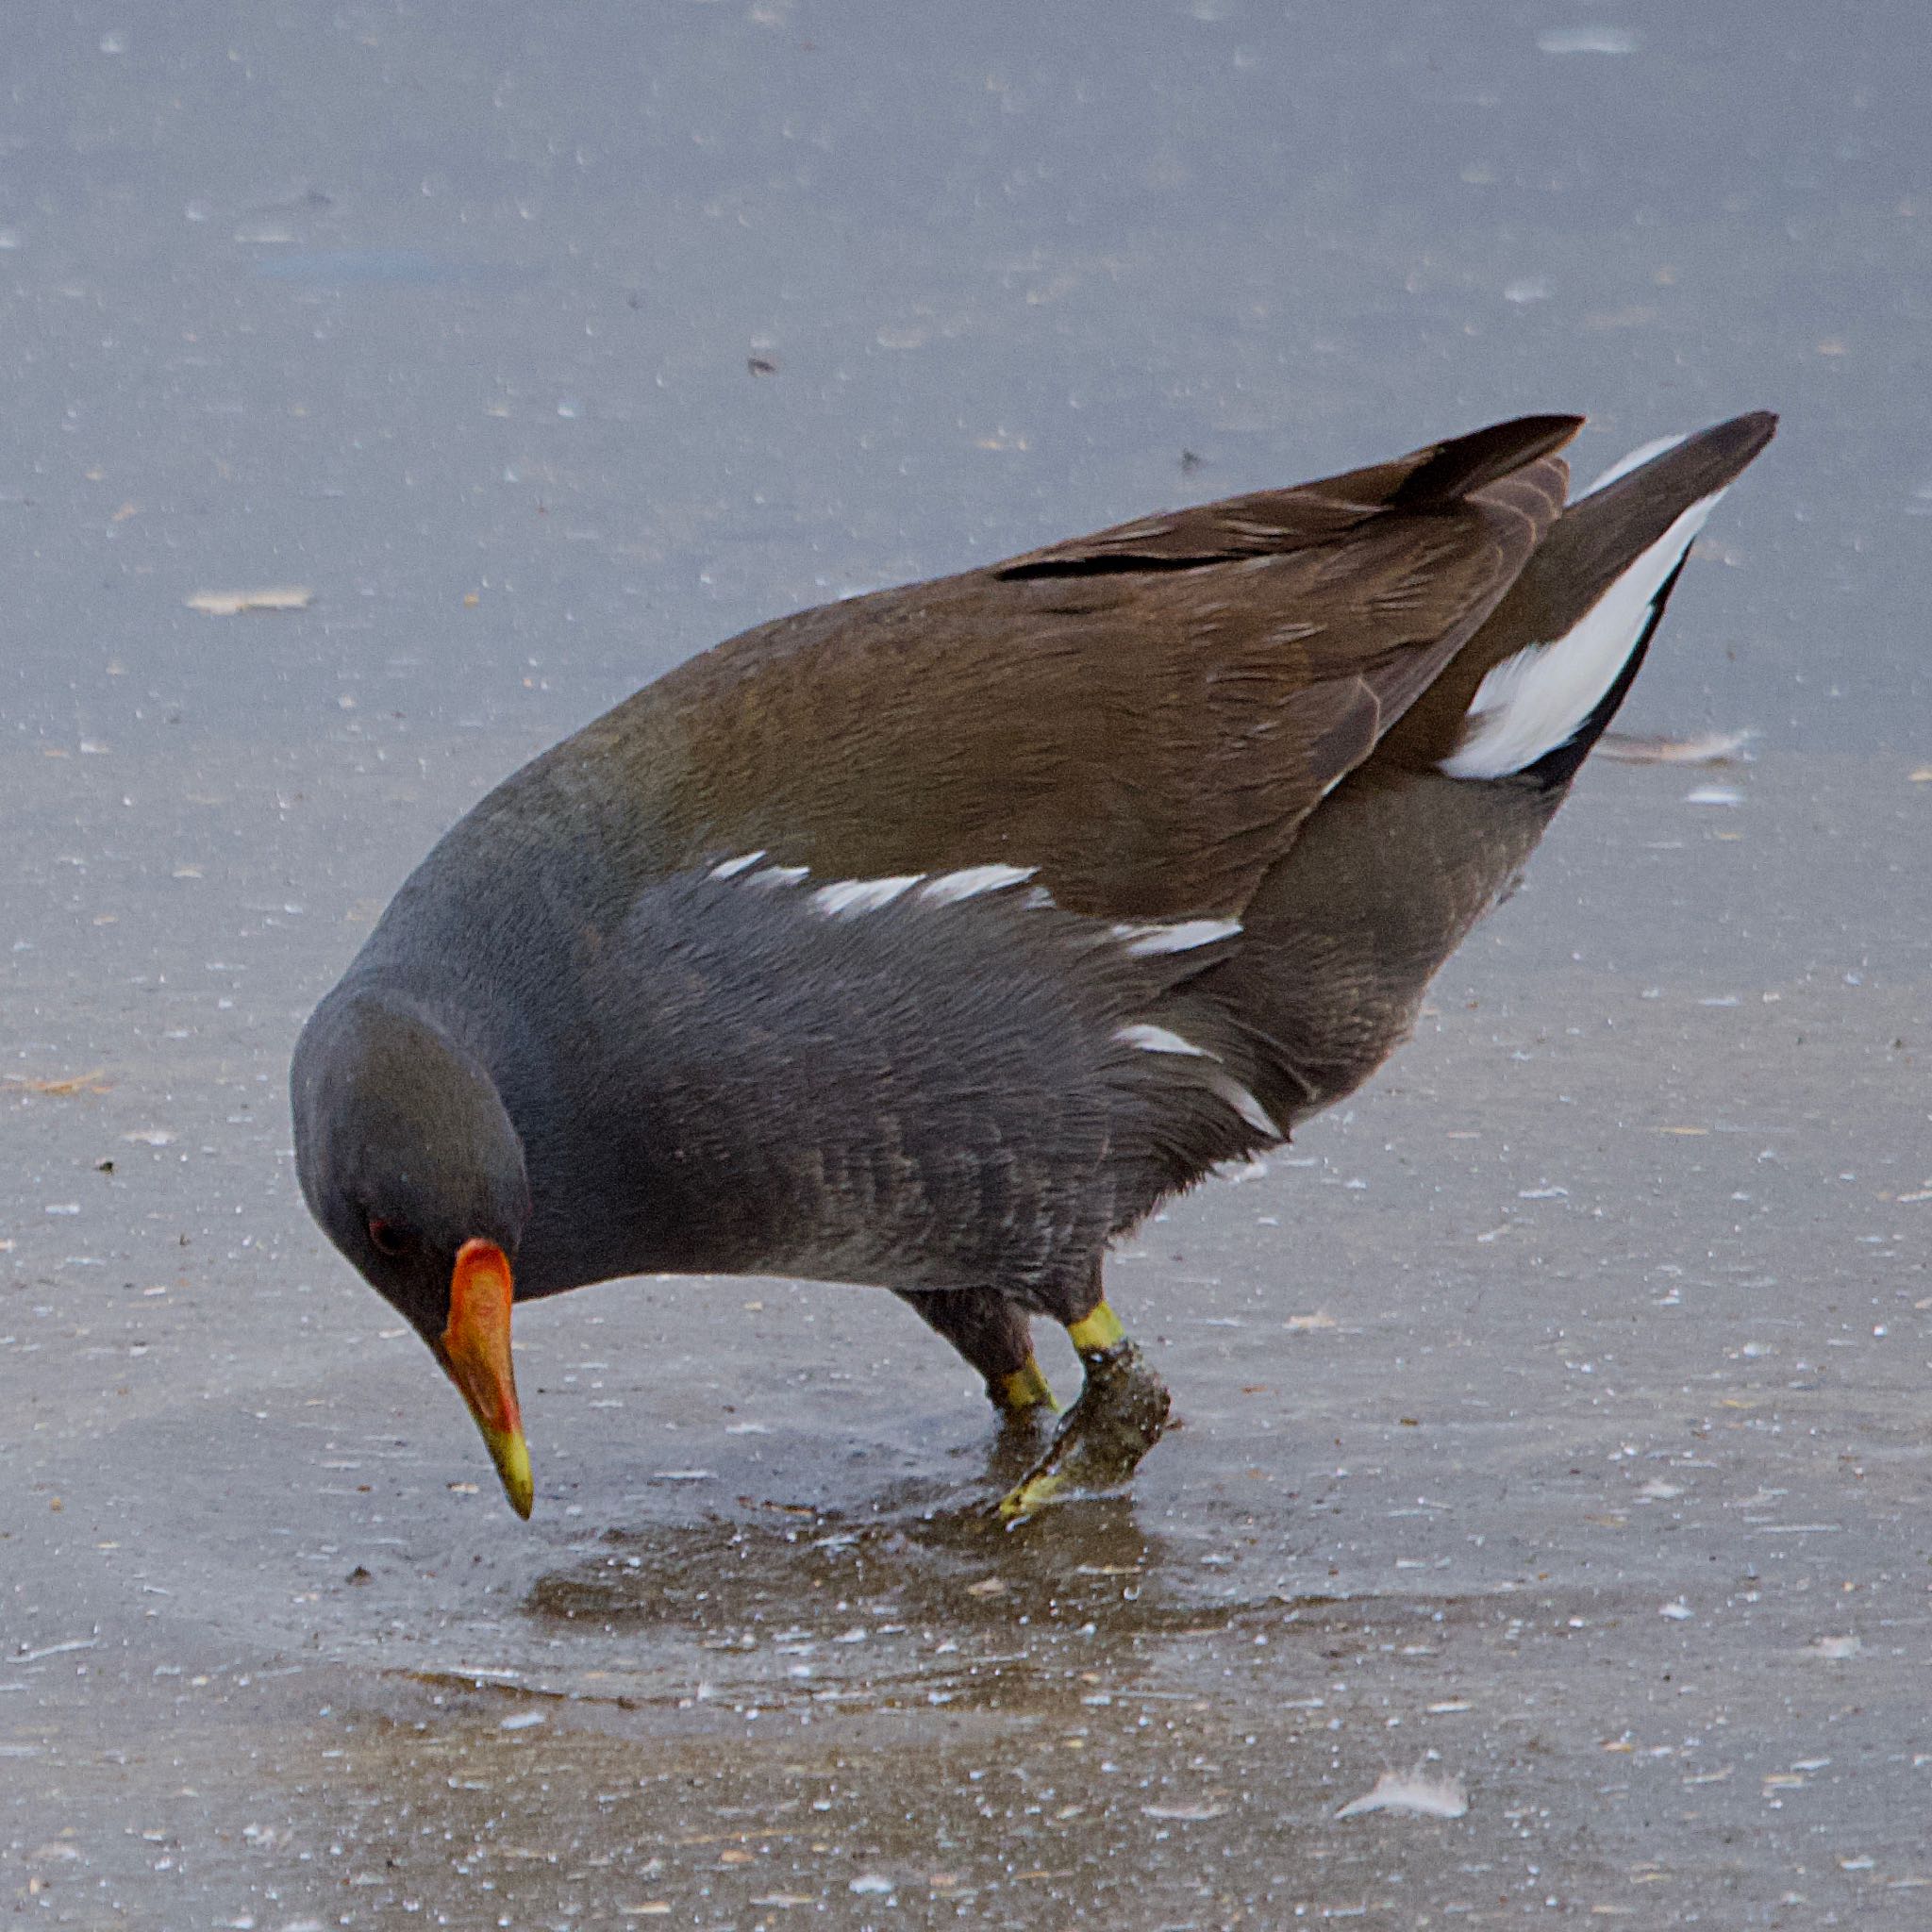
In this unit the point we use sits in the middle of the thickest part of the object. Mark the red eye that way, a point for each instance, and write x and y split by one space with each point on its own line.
389 1237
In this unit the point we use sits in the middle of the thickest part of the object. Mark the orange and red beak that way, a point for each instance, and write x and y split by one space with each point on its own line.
474 1350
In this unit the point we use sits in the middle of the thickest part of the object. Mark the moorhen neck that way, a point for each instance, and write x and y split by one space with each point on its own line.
932 939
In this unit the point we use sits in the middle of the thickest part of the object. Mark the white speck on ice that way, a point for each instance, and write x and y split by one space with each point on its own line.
1586 40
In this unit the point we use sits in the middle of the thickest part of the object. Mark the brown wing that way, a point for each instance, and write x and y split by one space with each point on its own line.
1147 714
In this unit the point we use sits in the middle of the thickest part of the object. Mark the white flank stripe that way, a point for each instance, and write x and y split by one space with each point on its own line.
951 887
1225 1086
1237 1096
862 896
1150 1038
1530 703
1144 942
1635 460
777 876
732 867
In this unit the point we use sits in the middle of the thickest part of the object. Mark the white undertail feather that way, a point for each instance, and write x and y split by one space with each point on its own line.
1531 704
730 868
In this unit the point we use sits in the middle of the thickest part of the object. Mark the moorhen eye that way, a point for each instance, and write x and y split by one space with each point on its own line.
389 1238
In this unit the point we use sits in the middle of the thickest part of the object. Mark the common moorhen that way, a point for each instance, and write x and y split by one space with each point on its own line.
932 938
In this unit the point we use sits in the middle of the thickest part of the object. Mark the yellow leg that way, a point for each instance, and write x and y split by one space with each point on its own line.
1096 1333
1118 1417
1025 1389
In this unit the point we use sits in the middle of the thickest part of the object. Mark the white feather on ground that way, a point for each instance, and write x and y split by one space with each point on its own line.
1414 1792
1705 748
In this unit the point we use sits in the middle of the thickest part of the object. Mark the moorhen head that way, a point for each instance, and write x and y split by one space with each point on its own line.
932 939
411 1165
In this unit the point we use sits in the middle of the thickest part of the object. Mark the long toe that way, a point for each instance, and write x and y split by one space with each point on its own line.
1015 1452
1119 1416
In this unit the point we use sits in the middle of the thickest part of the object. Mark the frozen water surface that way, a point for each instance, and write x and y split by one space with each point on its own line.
1556 1416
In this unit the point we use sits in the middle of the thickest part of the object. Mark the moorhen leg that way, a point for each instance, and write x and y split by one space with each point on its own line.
1119 1416
994 1336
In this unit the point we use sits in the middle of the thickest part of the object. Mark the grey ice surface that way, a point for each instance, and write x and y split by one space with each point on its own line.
1556 1415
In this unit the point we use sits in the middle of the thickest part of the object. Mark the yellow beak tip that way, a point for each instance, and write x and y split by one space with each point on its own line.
511 1455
